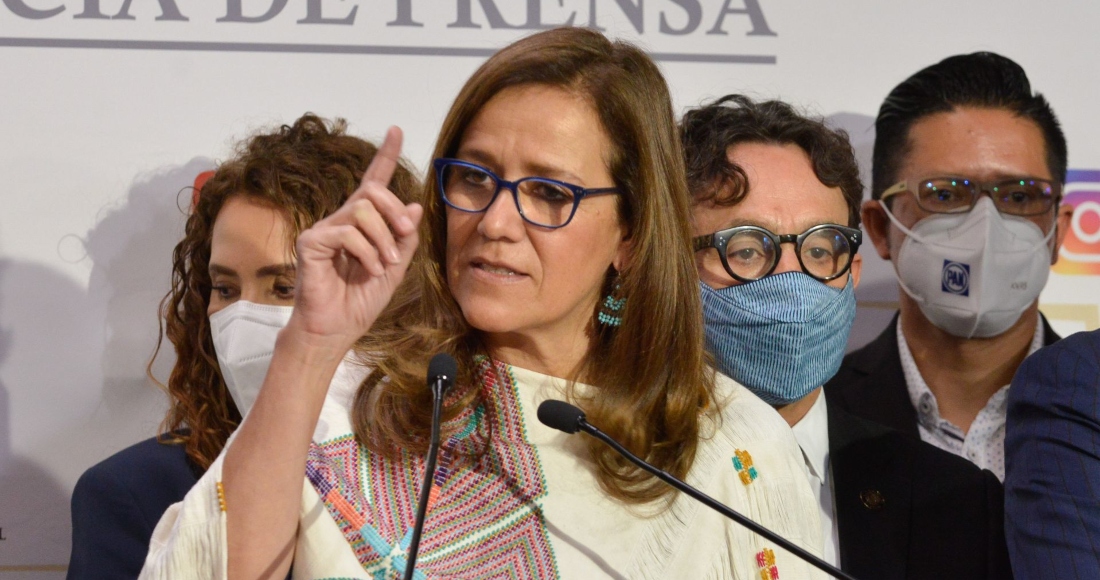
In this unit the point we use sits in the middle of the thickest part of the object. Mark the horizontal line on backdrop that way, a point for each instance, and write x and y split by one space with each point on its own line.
38 568
184 45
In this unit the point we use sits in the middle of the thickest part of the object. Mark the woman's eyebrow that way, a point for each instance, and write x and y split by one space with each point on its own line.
218 269
476 156
534 168
276 270
544 170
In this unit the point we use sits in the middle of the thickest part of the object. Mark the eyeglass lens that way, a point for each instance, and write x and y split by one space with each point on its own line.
824 253
1014 197
540 201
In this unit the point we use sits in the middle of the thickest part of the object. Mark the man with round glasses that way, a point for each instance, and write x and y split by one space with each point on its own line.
776 199
967 177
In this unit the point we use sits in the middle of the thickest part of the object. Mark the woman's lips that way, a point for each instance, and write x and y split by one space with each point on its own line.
496 270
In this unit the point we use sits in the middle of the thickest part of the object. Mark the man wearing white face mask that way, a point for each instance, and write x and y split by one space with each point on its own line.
967 178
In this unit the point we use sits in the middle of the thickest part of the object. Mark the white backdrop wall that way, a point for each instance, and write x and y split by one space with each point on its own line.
109 108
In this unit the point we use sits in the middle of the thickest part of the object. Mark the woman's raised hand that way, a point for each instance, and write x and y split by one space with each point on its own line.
350 263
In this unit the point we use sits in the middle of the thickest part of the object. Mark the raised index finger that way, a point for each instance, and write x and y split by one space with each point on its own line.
381 168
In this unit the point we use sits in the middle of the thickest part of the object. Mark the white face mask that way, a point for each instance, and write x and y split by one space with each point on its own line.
244 336
973 274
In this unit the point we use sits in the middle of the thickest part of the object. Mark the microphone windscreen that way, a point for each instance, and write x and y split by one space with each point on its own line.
442 366
560 415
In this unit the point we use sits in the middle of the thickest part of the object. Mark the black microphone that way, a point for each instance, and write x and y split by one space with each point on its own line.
565 417
441 375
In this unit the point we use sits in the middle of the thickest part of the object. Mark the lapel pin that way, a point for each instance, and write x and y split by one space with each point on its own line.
872 499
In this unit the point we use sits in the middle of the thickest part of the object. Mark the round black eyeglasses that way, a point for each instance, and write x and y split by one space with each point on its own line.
543 202
749 253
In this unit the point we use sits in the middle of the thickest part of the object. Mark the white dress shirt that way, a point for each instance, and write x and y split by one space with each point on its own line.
984 443
812 434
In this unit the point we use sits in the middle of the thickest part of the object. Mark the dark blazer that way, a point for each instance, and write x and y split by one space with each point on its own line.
1052 461
117 504
908 510
871 382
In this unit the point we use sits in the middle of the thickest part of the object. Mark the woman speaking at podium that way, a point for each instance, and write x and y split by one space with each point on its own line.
550 256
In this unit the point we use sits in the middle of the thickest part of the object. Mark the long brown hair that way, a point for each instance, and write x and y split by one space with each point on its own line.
306 170
651 377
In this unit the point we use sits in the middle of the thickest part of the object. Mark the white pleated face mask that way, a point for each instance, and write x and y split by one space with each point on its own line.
244 336
973 274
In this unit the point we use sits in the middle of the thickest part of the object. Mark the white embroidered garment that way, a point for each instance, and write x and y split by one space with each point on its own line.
530 507
984 443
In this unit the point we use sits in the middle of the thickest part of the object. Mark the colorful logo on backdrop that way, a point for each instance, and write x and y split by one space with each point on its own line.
956 278
1080 253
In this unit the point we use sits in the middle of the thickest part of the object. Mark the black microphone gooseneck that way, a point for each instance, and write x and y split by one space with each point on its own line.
441 375
565 417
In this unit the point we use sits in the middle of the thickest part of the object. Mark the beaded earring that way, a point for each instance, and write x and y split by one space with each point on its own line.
610 312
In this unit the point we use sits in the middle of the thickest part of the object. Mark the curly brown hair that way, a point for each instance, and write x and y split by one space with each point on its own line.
709 131
653 384
307 170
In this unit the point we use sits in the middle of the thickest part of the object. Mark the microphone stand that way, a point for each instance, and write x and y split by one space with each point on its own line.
714 504
438 387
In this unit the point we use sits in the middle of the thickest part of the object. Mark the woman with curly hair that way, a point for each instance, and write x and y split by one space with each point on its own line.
233 277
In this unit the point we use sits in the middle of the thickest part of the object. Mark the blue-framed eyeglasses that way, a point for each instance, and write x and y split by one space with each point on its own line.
546 203
749 253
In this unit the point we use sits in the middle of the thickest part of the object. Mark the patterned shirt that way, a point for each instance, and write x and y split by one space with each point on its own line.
983 444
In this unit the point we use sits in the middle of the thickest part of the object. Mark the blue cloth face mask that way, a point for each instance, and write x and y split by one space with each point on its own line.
781 336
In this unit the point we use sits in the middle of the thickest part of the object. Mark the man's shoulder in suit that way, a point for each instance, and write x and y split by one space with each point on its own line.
903 505
871 382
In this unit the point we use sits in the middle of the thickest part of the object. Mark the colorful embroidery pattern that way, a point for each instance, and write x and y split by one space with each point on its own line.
765 560
742 462
484 519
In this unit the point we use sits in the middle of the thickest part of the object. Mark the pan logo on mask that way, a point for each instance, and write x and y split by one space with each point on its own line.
956 278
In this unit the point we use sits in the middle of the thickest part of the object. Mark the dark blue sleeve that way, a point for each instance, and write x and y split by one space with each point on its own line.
117 504
1052 462
110 534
